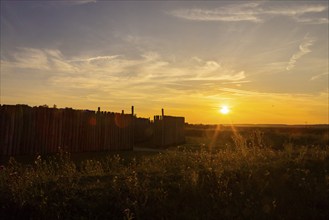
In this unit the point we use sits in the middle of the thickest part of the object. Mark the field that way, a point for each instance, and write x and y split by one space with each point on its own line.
220 173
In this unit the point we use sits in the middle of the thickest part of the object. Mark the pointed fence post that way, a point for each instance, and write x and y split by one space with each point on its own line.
132 129
162 128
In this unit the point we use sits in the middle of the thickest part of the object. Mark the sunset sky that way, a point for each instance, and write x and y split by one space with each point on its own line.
267 61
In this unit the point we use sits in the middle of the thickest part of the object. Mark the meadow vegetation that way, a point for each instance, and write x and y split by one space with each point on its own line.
245 180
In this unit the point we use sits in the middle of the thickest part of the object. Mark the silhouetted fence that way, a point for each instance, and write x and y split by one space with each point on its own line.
168 130
143 131
32 130
163 131
43 130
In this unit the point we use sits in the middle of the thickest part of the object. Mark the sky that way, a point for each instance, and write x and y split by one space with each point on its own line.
267 61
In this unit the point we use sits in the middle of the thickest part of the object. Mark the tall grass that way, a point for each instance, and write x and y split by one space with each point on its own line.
247 181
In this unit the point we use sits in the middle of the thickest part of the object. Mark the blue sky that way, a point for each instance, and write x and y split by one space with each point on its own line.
266 60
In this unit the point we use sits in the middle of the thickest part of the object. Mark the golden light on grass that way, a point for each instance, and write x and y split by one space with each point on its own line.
224 110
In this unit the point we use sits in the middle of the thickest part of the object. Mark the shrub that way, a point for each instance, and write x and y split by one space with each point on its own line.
249 181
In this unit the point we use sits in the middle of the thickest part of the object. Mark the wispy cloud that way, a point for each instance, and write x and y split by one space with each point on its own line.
253 12
243 12
239 92
308 20
72 2
98 59
111 73
237 82
304 48
81 2
61 3
319 76
280 96
36 59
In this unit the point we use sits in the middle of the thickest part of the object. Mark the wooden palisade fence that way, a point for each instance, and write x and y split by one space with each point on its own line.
168 130
43 130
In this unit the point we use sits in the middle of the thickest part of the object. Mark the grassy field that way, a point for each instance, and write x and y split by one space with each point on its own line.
204 179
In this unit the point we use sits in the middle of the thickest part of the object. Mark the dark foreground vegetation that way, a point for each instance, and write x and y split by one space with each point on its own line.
199 180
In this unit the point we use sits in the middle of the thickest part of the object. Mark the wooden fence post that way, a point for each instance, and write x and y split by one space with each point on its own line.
162 128
132 129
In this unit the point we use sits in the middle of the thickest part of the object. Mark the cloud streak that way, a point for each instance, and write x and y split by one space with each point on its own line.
72 2
319 76
304 48
36 59
253 12
111 74
242 12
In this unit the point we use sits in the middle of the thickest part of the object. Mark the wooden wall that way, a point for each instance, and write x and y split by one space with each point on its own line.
26 130
168 130
42 130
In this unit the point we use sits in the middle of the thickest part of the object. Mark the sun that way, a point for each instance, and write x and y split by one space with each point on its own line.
224 110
